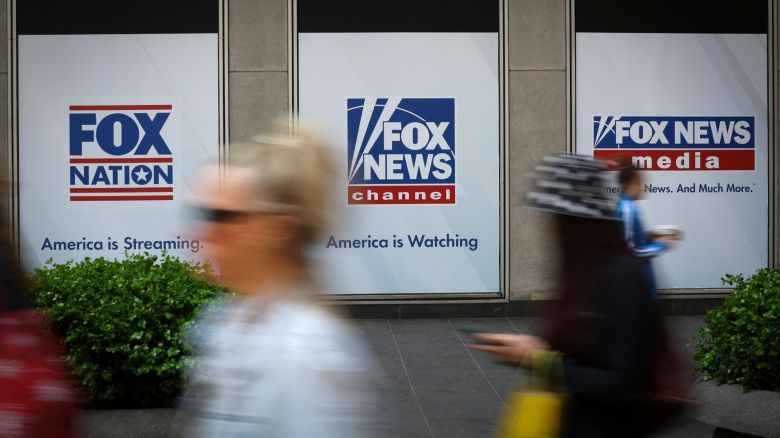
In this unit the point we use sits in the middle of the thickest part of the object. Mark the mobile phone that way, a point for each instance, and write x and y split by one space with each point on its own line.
469 331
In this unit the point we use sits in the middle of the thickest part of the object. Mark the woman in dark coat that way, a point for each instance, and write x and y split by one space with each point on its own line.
604 324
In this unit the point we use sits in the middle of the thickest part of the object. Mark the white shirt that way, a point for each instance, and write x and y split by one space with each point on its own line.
281 368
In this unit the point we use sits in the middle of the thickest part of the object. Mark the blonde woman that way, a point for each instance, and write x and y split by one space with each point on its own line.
274 363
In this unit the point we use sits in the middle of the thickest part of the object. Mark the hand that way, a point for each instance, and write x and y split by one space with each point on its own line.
510 347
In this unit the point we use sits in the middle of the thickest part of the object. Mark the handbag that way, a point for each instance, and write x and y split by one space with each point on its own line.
536 411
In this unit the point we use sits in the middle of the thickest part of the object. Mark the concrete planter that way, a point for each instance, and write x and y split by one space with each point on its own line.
130 423
728 407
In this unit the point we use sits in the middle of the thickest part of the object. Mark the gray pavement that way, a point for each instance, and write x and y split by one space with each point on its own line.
435 386
442 389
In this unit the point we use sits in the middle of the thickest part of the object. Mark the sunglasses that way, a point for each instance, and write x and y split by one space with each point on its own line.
217 215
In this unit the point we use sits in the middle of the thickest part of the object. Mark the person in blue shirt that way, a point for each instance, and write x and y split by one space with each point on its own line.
640 243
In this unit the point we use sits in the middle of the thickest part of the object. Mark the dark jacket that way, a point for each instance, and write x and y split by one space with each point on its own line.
606 379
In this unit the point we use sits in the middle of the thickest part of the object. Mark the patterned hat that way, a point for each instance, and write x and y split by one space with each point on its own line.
573 185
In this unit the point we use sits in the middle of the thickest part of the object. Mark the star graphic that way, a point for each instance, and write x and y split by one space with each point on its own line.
141 175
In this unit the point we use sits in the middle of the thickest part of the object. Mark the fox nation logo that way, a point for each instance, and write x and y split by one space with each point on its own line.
118 153
677 143
401 150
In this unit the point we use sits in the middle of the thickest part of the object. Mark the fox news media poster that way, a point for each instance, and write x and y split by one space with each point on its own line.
690 110
412 119
111 130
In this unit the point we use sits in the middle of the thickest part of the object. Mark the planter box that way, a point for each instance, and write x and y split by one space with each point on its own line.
728 407
121 423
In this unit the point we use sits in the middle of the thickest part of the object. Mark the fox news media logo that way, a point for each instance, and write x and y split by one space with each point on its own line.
401 151
118 153
677 143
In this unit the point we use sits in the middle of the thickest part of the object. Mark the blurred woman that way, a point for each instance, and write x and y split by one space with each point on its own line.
37 396
604 323
274 363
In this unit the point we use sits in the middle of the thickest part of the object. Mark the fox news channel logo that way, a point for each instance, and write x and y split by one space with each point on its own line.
677 143
401 150
118 153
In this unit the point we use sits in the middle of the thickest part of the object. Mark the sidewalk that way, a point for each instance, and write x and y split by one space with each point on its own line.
441 389
436 387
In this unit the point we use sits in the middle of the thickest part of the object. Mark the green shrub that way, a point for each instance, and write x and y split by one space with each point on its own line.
740 343
123 323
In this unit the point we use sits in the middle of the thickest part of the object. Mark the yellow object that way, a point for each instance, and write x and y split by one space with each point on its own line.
531 414
537 412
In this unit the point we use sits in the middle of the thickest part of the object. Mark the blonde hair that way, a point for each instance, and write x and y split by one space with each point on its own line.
291 174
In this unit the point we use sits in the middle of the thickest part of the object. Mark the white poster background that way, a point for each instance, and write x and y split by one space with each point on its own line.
56 71
464 66
687 75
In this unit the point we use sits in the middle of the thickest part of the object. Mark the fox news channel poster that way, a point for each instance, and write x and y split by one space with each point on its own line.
412 119
111 130
691 111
